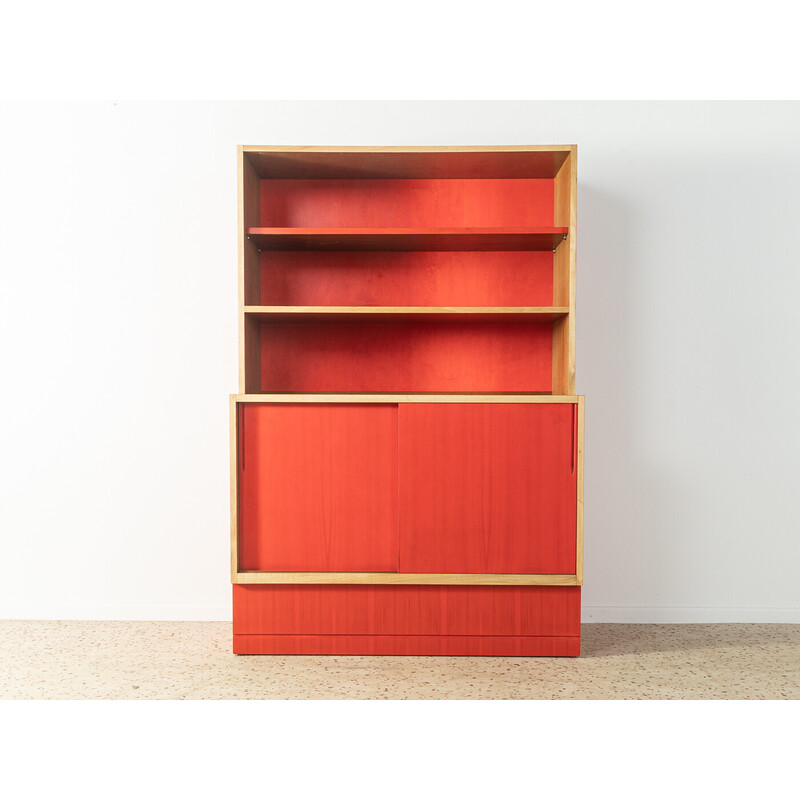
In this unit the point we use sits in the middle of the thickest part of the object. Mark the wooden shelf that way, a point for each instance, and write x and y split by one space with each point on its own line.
407 238
426 313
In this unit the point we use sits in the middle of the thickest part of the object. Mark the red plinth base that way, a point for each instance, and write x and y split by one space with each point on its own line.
406 620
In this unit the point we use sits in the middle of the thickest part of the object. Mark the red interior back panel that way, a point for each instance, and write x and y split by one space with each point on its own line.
401 356
416 203
424 278
487 488
318 487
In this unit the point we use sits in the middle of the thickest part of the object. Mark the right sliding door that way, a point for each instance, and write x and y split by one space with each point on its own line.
488 487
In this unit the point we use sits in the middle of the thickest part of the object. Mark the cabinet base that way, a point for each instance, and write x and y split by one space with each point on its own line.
260 644
423 620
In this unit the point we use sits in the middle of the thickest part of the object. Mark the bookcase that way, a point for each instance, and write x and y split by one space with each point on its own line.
406 443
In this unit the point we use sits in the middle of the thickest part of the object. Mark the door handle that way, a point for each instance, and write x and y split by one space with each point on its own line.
574 453
240 427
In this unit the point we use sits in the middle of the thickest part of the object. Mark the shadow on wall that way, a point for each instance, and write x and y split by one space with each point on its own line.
630 498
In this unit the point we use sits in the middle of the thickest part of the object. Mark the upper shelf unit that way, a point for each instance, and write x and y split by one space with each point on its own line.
454 266
408 239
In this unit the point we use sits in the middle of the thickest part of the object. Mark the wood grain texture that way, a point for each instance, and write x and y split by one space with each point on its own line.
564 275
318 488
405 578
450 203
487 488
579 521
421 278
406 313
538 238
400 356
407 610
519 161
378 645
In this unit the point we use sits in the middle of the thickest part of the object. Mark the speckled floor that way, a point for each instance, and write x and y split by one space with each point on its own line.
192 660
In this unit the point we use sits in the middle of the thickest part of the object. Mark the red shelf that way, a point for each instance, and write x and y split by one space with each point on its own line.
407 238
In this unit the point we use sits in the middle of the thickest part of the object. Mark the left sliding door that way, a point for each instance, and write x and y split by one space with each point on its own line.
317 489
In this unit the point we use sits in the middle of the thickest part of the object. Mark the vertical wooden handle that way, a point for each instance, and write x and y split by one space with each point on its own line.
574 438
241 434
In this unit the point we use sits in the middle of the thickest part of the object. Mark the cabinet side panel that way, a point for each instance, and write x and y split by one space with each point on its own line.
249 272
564 276
318 488
250 353
487 488
581 435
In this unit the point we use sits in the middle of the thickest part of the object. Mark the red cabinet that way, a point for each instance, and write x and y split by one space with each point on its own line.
406 461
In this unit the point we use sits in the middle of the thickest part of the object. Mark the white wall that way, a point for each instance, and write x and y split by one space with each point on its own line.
118 346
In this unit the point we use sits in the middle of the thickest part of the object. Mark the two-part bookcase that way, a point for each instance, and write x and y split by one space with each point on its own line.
406 444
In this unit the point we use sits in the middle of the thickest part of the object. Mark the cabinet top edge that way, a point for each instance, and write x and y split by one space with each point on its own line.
527 148
465 162
405 398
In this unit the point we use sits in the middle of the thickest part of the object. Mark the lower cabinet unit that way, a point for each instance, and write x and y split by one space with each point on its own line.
428 528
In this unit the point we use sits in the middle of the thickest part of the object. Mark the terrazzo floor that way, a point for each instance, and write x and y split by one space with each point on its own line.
193 660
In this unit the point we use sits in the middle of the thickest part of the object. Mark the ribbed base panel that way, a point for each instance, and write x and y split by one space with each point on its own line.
258 644
287 619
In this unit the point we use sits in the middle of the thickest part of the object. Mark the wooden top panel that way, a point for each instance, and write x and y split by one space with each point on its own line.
420 397
406 579
408 162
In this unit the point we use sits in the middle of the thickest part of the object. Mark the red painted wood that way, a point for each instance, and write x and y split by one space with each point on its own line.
415 203
259 644
411 239
426 278
390 610
401 356
487 488
318 487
